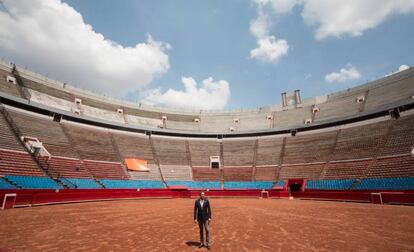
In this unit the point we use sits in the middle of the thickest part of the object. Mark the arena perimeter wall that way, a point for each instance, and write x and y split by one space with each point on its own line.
41 197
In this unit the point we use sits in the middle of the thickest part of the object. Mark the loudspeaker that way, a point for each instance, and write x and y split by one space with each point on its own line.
394 113
57 117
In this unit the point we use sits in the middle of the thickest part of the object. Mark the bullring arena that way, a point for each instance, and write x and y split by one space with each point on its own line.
81 172
245 224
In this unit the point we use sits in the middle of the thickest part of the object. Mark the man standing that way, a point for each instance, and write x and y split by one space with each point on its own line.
202 215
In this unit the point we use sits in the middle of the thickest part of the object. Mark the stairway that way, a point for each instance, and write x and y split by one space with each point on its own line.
118 154
22 89
99 183
221 164
66 183
256 146
157 162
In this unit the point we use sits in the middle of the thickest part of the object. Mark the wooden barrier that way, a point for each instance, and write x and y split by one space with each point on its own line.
25 197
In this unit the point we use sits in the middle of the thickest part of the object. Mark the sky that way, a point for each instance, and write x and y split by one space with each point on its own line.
209 55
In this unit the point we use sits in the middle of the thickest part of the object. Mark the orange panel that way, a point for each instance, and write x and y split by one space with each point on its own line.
134 164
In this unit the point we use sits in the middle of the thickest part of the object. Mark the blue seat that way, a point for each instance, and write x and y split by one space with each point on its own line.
131 184
31 182
403 183
248 185
5 185
196 184
82 183
280 183
332 184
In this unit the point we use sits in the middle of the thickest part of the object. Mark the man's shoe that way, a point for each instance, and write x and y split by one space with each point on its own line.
201 245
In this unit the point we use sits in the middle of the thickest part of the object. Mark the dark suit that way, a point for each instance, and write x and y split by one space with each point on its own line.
202 214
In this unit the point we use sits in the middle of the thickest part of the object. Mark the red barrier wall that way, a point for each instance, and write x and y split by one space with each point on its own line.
36 197
390 197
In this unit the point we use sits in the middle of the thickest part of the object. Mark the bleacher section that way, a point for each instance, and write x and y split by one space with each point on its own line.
30 182
292 117
401 166
68 168
309 148
133 146
344 170
105 170
201 150
268 150
8 139
266 173
374 153
386 184
309 171
43 128
152 174
91 143
195 184
238 152
171 151
344 105
176 172
132 184
396 88
248 185
401 138
378 94
333 184
238 173
18 163
206 174
361 141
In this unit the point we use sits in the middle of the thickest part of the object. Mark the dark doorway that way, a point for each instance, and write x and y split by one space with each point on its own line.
295 187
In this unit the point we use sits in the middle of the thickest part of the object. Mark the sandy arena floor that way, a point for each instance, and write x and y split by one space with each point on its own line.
238 225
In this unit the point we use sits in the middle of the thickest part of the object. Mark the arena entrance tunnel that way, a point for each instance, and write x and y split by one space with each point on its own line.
296 185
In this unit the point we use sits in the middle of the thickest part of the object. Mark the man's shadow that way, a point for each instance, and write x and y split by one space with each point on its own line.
193 243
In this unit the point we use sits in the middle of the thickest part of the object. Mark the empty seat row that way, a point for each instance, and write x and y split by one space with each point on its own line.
196 184
386 184
332 184
31 182
80 183
131 184
280 183
248 185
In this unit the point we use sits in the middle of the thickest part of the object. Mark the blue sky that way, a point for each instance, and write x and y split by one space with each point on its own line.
202 39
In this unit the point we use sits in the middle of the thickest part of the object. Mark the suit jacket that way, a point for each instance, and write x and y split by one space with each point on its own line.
202 213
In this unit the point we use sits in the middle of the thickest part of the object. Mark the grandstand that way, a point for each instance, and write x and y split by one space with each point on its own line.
358 139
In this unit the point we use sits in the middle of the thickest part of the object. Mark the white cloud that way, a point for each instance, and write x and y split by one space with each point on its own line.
50 36
336 18
269 48
345 74
211 95
351 17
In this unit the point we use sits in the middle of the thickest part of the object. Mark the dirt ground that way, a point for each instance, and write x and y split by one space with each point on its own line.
237 225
